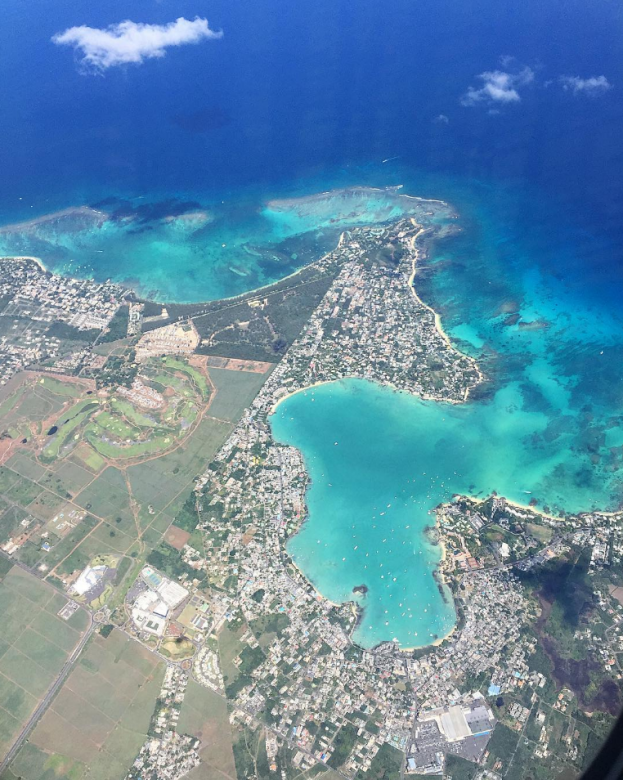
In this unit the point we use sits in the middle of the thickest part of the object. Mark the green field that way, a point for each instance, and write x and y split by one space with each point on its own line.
35 400
26 466
152 446
98 722
46 505
72 419
23 492
85 456
128 411
69 477
34 647
107 423
234 392
35 763
9 403
196 376
160 481
204 715
107 496
56 386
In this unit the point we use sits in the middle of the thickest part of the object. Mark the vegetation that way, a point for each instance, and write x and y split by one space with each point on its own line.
64 332
503 742
118 326
118 370
187 518
250 754
239 330
386 765
250 659
343 745
274 623
169 561
459 768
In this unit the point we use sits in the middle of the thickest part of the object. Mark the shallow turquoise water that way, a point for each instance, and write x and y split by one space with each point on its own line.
242 244
380 461
536 303
533 297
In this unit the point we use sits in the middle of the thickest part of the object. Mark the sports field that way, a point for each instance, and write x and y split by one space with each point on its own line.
98 722
34 645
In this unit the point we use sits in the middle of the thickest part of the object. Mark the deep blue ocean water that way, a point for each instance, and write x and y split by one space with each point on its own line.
303 97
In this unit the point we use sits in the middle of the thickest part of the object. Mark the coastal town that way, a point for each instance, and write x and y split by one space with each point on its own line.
299 667
372 325
47 316
222 606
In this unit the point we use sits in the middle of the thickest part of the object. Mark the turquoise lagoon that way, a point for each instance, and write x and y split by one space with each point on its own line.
380 461
526 290
536 304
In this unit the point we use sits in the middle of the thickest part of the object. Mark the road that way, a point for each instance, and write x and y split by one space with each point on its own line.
52 690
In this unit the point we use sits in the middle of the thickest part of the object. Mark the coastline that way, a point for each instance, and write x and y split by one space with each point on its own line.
438 326
99 217
439 573
320 597
26 258
541 512
304 389
436 316
439 568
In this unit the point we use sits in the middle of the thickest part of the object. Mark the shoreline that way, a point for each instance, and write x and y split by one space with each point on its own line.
439 574
439 568
27 258
541 512
102 217
436 315
320 596
438 325
292 393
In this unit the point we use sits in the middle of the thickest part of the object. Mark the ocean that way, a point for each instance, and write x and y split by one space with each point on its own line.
302 98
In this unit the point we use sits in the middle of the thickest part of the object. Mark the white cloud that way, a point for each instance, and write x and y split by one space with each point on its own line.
498 86
131 42
593 86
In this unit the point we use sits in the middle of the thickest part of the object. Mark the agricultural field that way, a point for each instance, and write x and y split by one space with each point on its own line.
34 645
235 389
99 720
204 715
33 398
109 472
